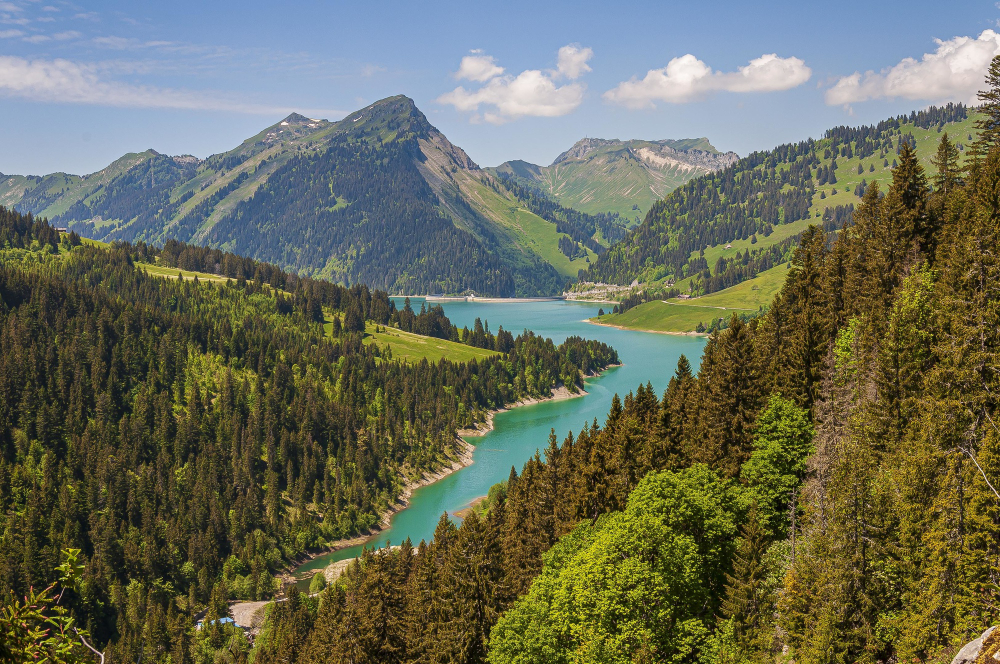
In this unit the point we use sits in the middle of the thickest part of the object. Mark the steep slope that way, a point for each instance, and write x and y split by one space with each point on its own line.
724 228
625 177
380 197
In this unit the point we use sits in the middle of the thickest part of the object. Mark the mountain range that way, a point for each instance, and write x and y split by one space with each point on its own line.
380 197
623 177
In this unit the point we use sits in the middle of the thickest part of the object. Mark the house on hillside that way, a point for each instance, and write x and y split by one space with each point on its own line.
221 621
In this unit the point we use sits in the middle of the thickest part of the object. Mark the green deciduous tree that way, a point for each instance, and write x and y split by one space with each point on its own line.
782 442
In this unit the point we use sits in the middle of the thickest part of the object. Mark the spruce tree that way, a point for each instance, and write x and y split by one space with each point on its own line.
989 122
801 364
906 205
946 158
749 596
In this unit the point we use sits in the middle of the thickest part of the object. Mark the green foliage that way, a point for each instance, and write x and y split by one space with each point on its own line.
749 605
38 628
191 438
640 583
318 583
782 443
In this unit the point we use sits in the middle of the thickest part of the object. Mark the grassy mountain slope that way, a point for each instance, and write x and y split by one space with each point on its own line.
724 228
625 177
741 239
678 316
380 197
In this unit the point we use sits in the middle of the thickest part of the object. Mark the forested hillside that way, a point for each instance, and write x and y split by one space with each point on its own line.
380 197
824 490
190 438
723 228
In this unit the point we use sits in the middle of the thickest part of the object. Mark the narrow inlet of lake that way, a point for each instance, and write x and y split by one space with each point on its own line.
518 433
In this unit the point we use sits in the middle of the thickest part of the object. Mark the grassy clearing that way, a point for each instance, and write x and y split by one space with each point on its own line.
411 347
684 315
752 294
172 272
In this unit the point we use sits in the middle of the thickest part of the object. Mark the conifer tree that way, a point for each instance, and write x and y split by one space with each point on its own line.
989 122
804 300
729 396
749 600
906 205
945 160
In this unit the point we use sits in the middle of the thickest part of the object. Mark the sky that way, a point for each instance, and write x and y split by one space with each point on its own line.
82 83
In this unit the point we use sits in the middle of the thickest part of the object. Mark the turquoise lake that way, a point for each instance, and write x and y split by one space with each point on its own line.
646 357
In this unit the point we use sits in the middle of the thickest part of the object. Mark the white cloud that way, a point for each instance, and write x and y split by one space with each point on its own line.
573 61
687 78
533 92
69 34
479 68
7 34
123 43
9 7
70 82
954 72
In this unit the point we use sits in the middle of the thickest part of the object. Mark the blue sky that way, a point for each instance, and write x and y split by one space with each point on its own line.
83 83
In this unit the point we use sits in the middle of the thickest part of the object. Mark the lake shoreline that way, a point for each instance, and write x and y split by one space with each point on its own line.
559 393
462 460
639 329
445 299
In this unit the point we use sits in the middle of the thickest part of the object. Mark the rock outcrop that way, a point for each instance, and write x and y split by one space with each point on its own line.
984 650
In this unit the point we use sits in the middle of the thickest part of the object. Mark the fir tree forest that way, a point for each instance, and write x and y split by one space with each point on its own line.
824 486
181 426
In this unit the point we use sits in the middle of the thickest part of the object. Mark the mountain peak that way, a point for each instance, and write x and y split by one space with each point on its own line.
296 118
397 105
392 116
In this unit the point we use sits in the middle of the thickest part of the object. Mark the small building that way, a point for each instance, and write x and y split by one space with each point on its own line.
221 621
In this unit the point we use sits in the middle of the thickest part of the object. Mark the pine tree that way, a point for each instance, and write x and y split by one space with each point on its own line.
804 300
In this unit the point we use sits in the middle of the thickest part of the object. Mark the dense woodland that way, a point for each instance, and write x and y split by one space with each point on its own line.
823 490
747 200
142 193
353 207
190 439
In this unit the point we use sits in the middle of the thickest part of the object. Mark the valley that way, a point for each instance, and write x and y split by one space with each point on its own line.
516 434
765 437
313 177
